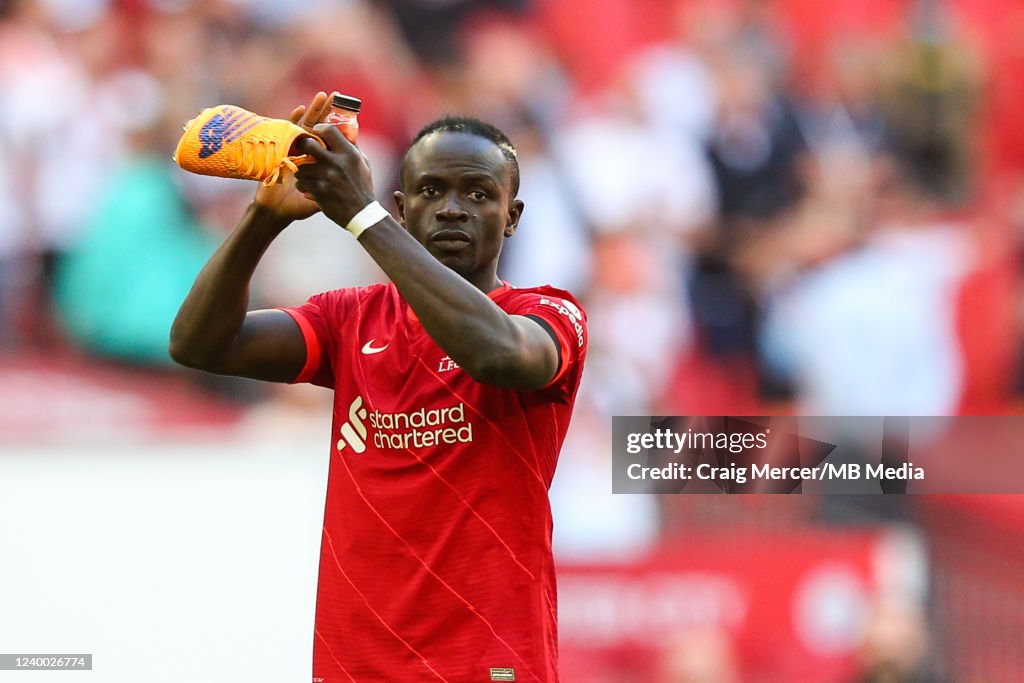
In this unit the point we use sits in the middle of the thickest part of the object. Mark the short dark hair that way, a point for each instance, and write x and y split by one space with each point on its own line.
473 126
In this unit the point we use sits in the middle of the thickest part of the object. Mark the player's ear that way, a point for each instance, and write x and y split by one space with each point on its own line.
400 205
515 212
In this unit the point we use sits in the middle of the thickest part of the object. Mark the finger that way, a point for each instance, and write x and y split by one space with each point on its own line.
308 186
315 110
311 147
308 172
324 108
297 113
333 138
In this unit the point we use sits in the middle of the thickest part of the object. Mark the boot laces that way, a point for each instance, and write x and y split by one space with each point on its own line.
261 158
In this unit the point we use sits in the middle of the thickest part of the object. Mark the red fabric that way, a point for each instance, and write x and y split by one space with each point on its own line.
436 556
988 336
312 346
987 327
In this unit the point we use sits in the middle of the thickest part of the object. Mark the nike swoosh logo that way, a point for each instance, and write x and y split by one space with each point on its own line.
369 349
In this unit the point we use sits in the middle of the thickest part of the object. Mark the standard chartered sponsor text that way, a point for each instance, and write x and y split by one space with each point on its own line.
421 428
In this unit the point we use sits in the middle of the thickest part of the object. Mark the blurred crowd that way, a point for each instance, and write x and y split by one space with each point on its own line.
764 206
756 208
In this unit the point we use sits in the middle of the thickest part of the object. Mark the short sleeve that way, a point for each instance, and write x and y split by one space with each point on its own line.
566 319
315 318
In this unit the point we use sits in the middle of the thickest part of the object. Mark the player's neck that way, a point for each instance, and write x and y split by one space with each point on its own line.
486 282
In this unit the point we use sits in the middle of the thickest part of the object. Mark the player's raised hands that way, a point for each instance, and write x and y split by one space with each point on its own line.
283 198
340 181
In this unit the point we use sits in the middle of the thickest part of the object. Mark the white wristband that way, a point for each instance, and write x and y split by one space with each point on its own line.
368 216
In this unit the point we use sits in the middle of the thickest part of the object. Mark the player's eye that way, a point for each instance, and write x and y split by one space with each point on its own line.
429 191
478 195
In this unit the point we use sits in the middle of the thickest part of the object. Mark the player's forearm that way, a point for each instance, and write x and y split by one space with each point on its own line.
212 314
465 323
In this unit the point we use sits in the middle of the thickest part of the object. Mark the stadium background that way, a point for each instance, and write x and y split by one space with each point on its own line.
767 207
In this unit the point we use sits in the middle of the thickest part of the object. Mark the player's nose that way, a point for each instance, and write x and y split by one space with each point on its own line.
451 210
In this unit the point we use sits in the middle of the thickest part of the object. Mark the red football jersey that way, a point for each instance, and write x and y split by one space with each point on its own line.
435 561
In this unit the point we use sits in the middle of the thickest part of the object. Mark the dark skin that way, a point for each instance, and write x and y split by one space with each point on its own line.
456 208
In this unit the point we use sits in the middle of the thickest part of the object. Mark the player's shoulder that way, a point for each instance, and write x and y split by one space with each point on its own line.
337 306
544 295
374 293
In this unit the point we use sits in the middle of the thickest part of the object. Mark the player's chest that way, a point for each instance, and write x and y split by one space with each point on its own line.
396 393
396 363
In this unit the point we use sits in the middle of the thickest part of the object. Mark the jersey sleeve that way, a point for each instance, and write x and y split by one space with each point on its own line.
567 320
317 320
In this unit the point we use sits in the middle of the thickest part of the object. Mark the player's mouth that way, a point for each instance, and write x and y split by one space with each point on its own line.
450 240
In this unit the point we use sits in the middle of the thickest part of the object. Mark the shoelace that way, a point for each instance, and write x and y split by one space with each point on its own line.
261 154
285 163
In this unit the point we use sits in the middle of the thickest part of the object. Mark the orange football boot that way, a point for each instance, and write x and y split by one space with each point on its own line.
230 142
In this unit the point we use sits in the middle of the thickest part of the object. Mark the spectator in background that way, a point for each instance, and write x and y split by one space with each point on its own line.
18 38
431 27
556 244
644 197
873 330
58 73
755 138
119 288
754 150
931 87
897 646
118 282
729 63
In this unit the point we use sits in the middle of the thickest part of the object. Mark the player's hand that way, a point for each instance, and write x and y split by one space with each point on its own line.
282 198
340 181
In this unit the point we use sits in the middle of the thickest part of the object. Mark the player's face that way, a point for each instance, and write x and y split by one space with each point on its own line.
456 200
